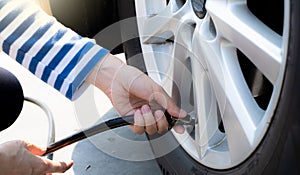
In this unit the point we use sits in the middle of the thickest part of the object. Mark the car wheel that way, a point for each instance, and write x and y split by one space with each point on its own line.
233 65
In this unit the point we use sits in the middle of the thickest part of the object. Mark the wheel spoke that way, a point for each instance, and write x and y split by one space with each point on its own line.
206 111
162 26
183 34
204 99
158 29
182 65
243 30
192 72
240 113
145 8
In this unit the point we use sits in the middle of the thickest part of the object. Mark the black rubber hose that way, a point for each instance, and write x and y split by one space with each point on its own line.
101 127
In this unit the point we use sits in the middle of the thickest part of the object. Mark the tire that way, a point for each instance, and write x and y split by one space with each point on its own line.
276 149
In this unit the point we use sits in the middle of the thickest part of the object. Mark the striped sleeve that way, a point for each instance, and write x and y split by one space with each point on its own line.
54 53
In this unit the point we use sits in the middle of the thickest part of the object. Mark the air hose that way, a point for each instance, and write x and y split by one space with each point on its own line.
111 124
99 128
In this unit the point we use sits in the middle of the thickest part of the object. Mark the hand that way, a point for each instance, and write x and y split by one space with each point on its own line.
20 157
133 92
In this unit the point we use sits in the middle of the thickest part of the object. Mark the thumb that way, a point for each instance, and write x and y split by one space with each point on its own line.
168 103
175 111
34 149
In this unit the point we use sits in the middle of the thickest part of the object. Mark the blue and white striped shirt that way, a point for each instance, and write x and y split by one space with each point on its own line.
54 53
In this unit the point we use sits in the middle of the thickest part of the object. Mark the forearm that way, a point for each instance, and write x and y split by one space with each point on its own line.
51 51
105 72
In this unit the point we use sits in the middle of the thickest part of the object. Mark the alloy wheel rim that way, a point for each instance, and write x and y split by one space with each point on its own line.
211 82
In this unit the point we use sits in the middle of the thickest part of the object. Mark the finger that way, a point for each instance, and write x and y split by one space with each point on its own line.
34 149
161 122
179 129
139 123
149 120
56 166
168 103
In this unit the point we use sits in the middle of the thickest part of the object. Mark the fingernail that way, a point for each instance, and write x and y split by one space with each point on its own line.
182 113
138 117
179 129
158 115
145 109
138 112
